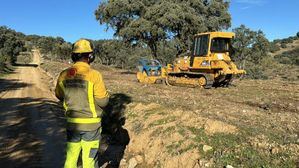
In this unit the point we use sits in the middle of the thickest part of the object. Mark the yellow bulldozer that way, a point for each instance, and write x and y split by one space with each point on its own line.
209 63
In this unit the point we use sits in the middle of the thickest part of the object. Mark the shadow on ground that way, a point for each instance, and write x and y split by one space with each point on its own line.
32 133
128 72
6 68
25 65
115 138
11 84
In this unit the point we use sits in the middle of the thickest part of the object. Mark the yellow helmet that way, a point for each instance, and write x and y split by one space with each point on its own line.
82 46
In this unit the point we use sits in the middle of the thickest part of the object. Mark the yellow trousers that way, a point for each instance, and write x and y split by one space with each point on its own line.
89 152
88 142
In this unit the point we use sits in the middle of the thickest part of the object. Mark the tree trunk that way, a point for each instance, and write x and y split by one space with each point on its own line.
107 61
153 47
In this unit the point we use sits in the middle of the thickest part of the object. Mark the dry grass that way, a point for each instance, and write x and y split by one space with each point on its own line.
254 124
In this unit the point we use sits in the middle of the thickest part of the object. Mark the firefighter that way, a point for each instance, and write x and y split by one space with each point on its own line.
83 93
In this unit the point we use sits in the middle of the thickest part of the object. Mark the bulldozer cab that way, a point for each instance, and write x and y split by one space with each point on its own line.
200 46
209 44
220 45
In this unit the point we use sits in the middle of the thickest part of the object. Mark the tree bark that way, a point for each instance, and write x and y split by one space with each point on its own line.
153 47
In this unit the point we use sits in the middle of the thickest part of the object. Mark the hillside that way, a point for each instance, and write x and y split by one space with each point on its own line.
284 64
289 55
253 124
289 47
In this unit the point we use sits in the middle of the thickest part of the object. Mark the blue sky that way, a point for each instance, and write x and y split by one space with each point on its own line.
276 18
73 19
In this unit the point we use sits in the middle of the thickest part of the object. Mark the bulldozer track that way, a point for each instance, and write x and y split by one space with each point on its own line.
190 79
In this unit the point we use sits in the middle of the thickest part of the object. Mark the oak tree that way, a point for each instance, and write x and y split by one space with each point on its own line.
152 21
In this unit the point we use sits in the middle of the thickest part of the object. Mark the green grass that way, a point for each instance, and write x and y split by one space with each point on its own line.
189 147
247 156
163 132
150 112
181 130
173 148
233 149
200 135
163 121
131 115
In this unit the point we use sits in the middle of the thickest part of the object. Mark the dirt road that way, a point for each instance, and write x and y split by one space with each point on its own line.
32 133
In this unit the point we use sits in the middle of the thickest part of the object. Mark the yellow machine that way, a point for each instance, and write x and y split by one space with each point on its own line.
150 71
209 63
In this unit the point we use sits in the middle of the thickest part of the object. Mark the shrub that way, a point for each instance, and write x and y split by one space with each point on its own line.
274 47
283 45
289 57
256 72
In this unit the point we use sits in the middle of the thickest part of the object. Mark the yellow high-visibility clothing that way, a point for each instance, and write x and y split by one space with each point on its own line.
83 93
88 142
74 149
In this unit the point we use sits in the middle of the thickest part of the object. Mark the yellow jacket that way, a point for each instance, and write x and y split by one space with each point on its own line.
83 93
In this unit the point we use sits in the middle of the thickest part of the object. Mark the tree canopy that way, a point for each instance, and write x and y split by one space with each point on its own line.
11 43
152 21
249 45
51 47
251 50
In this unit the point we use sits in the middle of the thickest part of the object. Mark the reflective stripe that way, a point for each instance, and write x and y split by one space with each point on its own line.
63 89
65 106
83 120
91 100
